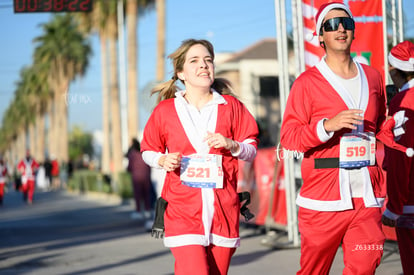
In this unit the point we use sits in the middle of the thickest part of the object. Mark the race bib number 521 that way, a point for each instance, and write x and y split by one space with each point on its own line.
202 171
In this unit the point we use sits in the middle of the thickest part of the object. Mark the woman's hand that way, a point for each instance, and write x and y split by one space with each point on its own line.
217 140
170 162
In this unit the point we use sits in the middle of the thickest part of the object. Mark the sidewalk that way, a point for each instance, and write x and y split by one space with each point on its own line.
69 234
256 255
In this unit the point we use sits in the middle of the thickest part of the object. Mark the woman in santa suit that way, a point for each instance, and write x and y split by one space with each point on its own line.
333 112
399 166
197 136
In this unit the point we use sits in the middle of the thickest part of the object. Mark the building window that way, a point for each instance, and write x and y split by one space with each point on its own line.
269 86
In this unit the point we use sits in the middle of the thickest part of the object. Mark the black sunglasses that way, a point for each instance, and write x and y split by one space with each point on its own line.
332 24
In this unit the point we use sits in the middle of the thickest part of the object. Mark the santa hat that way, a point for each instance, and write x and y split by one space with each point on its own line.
324 9
402 56
393 128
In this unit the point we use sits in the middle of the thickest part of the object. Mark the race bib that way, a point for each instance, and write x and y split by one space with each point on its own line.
357 150
202 171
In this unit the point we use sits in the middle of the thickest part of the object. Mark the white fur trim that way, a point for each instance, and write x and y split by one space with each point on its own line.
400 120
332 78
407 66
321 132
223 241
188 239
194 239
319 205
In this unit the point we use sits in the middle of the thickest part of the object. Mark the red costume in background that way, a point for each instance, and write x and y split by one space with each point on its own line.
27 167
400 178
3 174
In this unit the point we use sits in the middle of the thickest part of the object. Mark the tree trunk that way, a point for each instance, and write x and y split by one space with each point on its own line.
52 124
22 143
40 137
58 128
15 146
106 153
133 115
63 131
160 40
32 140
60 122
114 98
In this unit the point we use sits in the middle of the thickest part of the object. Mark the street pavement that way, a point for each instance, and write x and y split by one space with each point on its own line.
73 234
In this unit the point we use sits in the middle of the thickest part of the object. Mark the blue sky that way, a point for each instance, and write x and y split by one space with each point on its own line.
231 25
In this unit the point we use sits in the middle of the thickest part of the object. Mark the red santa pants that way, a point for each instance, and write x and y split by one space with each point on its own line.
1 190
28 189
359 230
405 237
201 260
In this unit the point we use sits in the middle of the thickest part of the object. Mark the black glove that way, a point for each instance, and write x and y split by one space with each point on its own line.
245 196
158 226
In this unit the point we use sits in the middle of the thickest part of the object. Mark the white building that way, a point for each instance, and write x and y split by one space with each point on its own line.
253 73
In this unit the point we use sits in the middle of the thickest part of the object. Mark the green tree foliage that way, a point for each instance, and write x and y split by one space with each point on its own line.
80 143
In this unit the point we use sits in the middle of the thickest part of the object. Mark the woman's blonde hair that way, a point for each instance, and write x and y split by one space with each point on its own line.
168 89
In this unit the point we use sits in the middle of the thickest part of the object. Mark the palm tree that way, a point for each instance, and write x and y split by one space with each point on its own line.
103 20
134 8
132 26
40 94
96 22
116 135
65 52
11 127
160 40
22 117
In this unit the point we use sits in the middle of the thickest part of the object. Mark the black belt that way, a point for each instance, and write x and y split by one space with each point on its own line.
326 163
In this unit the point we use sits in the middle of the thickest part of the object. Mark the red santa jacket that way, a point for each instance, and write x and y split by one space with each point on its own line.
27 168
399 167
200 215
315 96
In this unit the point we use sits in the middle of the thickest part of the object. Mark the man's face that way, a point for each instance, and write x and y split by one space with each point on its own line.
338 40
396 77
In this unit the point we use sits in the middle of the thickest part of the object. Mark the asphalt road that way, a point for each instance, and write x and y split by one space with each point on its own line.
62 233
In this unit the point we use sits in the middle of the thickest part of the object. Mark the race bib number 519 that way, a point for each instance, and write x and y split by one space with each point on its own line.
357 150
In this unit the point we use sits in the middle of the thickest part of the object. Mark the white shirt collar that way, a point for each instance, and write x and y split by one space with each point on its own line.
217 98
407 85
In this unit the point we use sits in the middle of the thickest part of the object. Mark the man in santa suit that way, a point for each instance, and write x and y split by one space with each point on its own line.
333 112
399 166
27 168
3 175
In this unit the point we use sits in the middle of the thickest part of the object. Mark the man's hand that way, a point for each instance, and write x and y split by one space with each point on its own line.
345 119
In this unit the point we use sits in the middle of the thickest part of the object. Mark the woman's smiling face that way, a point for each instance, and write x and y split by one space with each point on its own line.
198 69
